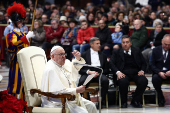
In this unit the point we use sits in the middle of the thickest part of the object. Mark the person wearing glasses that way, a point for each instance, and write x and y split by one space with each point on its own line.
59 76
53 35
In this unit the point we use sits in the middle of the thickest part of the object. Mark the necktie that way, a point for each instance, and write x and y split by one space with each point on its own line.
164 55
127 52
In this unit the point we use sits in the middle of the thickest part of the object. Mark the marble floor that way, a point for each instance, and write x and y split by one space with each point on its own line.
149 108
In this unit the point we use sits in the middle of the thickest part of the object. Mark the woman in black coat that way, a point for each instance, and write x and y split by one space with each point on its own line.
154 40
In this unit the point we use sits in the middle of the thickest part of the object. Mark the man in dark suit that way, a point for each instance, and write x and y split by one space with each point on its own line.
128 64
160 65
94 57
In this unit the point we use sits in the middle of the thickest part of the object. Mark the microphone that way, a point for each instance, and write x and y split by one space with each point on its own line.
100 98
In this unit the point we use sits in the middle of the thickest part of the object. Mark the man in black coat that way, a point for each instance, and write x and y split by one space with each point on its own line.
160 65
129 65
104 34
94 57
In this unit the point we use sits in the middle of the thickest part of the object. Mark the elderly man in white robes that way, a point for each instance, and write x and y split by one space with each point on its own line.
59 77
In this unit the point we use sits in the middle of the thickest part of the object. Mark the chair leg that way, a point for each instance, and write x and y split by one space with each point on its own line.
116 95
143 100
30 109
107 101
119 100
156 98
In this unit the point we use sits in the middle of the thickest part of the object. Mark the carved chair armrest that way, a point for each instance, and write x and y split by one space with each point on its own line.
69 96
63 97
91 90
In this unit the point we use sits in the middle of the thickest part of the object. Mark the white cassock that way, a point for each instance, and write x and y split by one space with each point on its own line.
61 79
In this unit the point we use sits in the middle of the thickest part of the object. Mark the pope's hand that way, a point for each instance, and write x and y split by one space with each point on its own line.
80 89
76 54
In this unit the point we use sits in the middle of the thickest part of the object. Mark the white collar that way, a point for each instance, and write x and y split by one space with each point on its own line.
56 63
129 51
164 51
93 52
17 29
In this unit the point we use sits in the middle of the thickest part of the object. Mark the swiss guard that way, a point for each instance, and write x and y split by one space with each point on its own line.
15 41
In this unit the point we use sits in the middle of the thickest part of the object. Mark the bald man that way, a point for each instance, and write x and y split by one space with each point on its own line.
59 77
160 61
139 36
104 34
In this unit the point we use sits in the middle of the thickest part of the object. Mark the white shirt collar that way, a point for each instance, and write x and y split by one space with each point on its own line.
93 52
129 51
163 51
17 29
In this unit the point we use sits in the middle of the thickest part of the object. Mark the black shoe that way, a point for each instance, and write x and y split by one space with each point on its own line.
136 104
124 105
161 103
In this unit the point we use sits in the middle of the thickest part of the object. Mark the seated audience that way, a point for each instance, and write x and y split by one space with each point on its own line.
90 18
140 35
44 19
70 37
2 20
84 35
154 40
168 22
156 21
120 17
94 57
105 18
159 63
129 65
104 34
63 21
116 37
153 17
59 76
82 18
53 35
39 33
111 20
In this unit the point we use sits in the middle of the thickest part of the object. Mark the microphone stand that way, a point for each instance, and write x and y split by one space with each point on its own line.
100 98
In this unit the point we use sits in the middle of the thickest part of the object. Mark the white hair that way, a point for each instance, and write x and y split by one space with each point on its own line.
156 21
1 13
82 17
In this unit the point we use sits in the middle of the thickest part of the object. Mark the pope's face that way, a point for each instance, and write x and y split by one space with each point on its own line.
59 56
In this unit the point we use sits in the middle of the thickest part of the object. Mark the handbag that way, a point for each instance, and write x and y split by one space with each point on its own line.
67 42
149 95
54 41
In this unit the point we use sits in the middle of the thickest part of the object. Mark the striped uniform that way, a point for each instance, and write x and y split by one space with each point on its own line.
15 41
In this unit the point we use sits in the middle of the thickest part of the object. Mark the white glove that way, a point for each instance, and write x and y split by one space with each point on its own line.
152 47
30 34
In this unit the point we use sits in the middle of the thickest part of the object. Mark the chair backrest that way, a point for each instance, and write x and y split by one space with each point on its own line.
32 62
1 77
